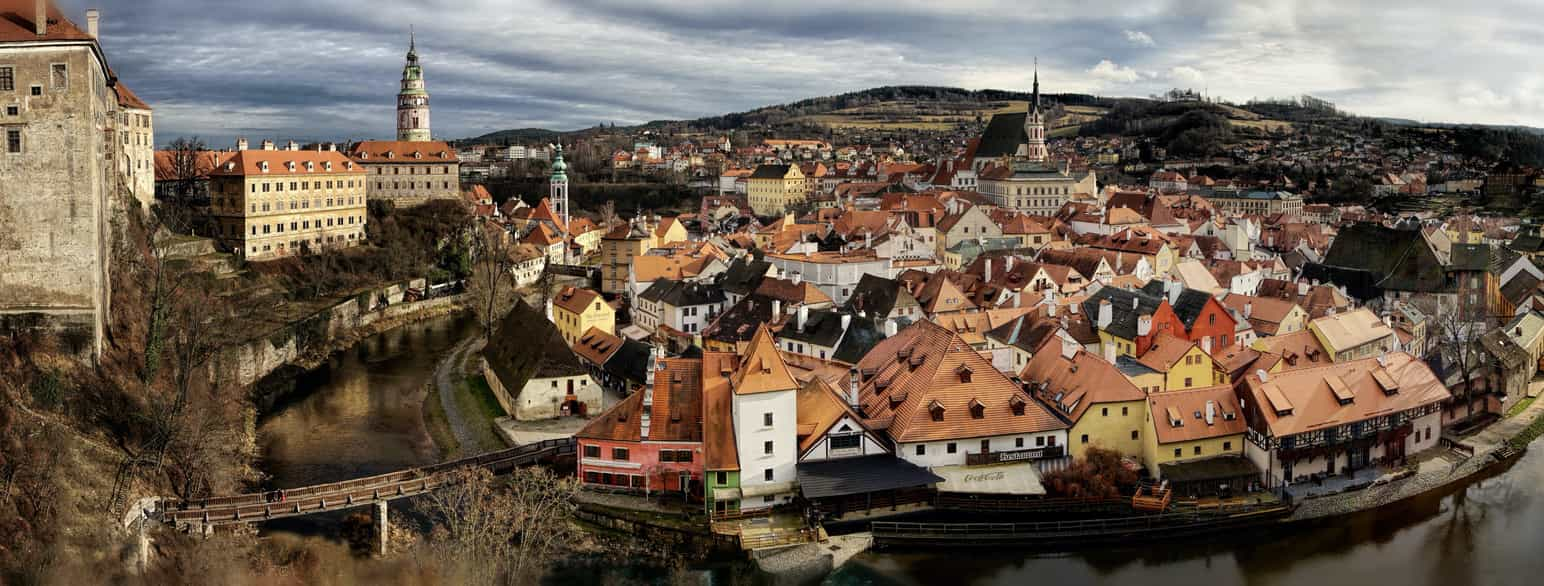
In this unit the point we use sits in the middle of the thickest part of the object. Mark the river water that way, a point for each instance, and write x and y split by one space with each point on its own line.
361 414
1490 532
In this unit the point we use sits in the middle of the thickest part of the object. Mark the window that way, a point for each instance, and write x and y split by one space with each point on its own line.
37 90
667 455
13 140
1018 442
986 446
1123 411
592 451
1196 450
683 456
1187 381
1133 435
768 498
720 478
13 110
7 79
1051 441
1178 452
921 449
766 448
951 448
1040 441
767 475
1103 412
846 442
766 420
619 454
60 77
1227 446
1085 438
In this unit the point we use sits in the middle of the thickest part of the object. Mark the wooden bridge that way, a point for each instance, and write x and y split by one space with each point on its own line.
206 514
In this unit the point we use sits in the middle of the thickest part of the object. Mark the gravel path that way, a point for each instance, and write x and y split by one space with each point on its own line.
448 376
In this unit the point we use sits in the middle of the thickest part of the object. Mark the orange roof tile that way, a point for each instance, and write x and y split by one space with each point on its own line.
1174 414
720 451
761 367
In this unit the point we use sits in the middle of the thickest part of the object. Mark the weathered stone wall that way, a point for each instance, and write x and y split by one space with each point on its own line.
55 194
312 339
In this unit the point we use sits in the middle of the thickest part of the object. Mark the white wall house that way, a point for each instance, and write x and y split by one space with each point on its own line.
766 435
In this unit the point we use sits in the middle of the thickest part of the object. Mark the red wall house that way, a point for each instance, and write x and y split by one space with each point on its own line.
617 452
1209 319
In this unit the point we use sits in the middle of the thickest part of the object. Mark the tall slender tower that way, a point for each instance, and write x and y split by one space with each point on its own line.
1034 126
413 101
557 191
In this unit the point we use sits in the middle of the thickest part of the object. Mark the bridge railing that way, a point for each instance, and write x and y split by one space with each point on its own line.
516 456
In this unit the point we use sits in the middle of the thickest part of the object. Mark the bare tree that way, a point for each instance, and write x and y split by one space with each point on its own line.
501 532
1458 344
188 168
492 279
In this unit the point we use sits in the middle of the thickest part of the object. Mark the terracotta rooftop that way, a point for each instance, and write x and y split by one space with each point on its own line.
675 414
1180 416
1304 400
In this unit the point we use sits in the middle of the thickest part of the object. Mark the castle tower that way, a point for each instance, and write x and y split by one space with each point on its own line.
557 190
1034 126
413 101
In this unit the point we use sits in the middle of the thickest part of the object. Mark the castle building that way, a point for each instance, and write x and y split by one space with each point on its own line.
412 169
413 100
269 203
62 171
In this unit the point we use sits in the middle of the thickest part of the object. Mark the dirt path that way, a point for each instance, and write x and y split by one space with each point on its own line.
448 378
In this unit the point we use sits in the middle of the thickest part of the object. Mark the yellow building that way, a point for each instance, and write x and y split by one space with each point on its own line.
773 188
1182 364
1186 426
575 311
1353 335
669 231
617 250
269 203
1106 409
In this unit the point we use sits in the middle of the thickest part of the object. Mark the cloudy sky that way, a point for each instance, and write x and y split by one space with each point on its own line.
329 69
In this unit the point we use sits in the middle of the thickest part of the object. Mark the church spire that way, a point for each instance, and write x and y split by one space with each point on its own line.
1035 103
412 44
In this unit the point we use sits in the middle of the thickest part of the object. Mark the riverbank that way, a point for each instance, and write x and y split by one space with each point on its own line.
1432 474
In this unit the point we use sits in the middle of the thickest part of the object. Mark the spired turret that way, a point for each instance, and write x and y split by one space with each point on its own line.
413 100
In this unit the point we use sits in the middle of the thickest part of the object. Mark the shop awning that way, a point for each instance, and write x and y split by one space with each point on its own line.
757 490
726 494
1015 479
867 474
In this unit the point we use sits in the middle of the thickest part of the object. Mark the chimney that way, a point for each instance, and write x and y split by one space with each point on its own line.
1073 308
292 146
1144 325
1069 348
804 317
1302 288
1211 412
93 21
853 385
1248 309
267 145
777 309
1106 314
1109 352
798 278
242 144
846 322
1173 288
890 329
40 23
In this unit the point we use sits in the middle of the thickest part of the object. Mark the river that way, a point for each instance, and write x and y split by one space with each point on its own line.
360 414
1490 532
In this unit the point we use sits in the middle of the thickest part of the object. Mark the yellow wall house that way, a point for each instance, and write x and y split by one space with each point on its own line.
1184 426
575 311
1353 335
1107 410
1184 365
772 188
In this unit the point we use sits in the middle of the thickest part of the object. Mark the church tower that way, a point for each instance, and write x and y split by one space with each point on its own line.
557 191
413 101
1034 126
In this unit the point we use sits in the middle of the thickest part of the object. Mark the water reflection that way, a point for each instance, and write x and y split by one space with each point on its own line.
1490 532
361 413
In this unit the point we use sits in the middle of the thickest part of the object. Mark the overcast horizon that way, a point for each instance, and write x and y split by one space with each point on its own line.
286 69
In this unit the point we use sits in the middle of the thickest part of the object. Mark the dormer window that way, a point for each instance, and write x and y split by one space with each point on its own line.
348 165
310 166
418 155
364 156
977 409
327 165
936 409
263 166
290 165
964 373
1017 404
391 155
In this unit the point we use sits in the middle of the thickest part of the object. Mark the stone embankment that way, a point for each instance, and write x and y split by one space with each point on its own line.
308 341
